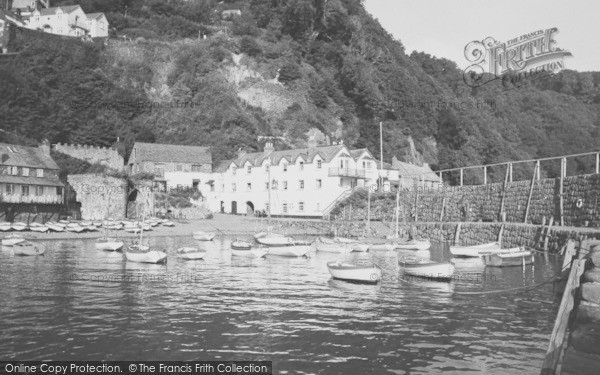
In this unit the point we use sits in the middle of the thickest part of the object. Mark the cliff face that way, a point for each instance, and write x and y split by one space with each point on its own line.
281 69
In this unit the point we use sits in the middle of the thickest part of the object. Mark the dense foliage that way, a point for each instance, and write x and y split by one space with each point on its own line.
282 68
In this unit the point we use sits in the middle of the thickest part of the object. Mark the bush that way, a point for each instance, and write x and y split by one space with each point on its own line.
289 72
250 47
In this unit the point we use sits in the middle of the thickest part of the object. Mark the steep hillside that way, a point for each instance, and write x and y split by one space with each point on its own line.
179 71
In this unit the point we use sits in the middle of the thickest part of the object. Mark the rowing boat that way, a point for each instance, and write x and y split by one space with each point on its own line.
27 248
108 244
203 236
353 272
414 245
190 253
474 251
429 269
143 254
12 239
511 258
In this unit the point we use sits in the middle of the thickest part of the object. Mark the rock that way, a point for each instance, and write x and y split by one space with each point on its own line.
592 275
595 257
588 312
591 292
578 363
586 338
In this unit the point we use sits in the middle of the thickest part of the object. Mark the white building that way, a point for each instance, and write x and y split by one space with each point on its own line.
69 21
299 182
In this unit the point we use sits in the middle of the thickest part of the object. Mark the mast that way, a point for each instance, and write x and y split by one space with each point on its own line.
397 210
270 187
381 153
368 208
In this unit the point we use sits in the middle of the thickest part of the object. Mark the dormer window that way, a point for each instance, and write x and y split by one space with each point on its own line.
249 169
233 170
285 167
301 165
319 164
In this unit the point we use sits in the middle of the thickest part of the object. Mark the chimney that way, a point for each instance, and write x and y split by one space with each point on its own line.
312 142
45 147
269 148
241 152
4 158
327 140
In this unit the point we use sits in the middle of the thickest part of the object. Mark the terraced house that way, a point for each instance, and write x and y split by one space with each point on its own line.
29 175
303 182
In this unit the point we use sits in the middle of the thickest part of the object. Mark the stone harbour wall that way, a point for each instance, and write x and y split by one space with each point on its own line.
488 203
94 155
101 196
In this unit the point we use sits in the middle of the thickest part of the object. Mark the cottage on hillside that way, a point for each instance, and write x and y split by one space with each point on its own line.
69 21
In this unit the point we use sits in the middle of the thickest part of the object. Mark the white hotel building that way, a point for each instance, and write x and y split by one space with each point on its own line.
299 182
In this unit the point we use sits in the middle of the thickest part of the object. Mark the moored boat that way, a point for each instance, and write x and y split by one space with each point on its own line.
414 245
27 248
353 272
108 244
333 247
55 227
254 253
74 228
5 227
203 236
143 254
168 223
429 269
508 259
19 226
474 251
274 240
382 247
298 249
360 247
12 239
190 253
241 245
40 228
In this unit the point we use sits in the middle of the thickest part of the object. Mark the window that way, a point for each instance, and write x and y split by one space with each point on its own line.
39 172
196 168
159 169
300 206
179 168
284 185
301 184
25 172
301 165
319 183
24 190
212 187
342 164
364 165
285 208
249 169
10 189
39 190
267 167
267 207
59 190
233 187
233 170
249 186
266 186
319 164
285 167
15 171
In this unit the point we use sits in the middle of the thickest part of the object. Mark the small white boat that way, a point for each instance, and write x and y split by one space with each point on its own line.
253 253
275 240
90 228
108 244
344 240
333 247
74 228
291 250
40 229
65 222
511 258
97 223
143 254
115 226
12 239
168 224
382 247
54 227
360 247
133 229
429 269
19 226
474 251
203 236
241 245
5 227
27 248
414 245
353 272
326 240
190 253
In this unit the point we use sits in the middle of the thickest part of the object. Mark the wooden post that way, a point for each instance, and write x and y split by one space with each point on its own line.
539 169
485 174
461 177
500 234
569 254
547 238
457 234
598 163
441 181
504 191
417 206
443 208
511 170
563 172
559 332
533 179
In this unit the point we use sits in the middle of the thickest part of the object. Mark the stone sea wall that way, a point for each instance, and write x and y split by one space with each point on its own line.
488 203
101 197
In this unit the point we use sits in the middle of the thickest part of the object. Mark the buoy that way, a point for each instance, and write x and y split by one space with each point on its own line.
579 203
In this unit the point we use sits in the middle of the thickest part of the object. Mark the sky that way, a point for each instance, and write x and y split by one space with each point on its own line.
443 28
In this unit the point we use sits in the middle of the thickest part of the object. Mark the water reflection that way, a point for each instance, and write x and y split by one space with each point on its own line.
79 303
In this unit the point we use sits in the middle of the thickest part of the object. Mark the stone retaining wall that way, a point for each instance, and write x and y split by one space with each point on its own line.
484 203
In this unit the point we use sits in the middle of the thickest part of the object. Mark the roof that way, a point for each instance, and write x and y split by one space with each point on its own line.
95 15
162 153
327 153
65 9
415 171
19 180
22 156
22 4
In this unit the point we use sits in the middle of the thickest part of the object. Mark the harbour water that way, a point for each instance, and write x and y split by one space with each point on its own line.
77 303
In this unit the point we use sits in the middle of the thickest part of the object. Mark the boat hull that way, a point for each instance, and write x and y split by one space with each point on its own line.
110 245
382 247
350 272
289 251
151 256
274 240
430 270
200 236
360 248
474 251
194 255
12 240
27 249
249 253
414 245
508 260
333 248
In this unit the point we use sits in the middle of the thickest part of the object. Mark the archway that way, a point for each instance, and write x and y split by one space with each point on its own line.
222 207
234 207
249 208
